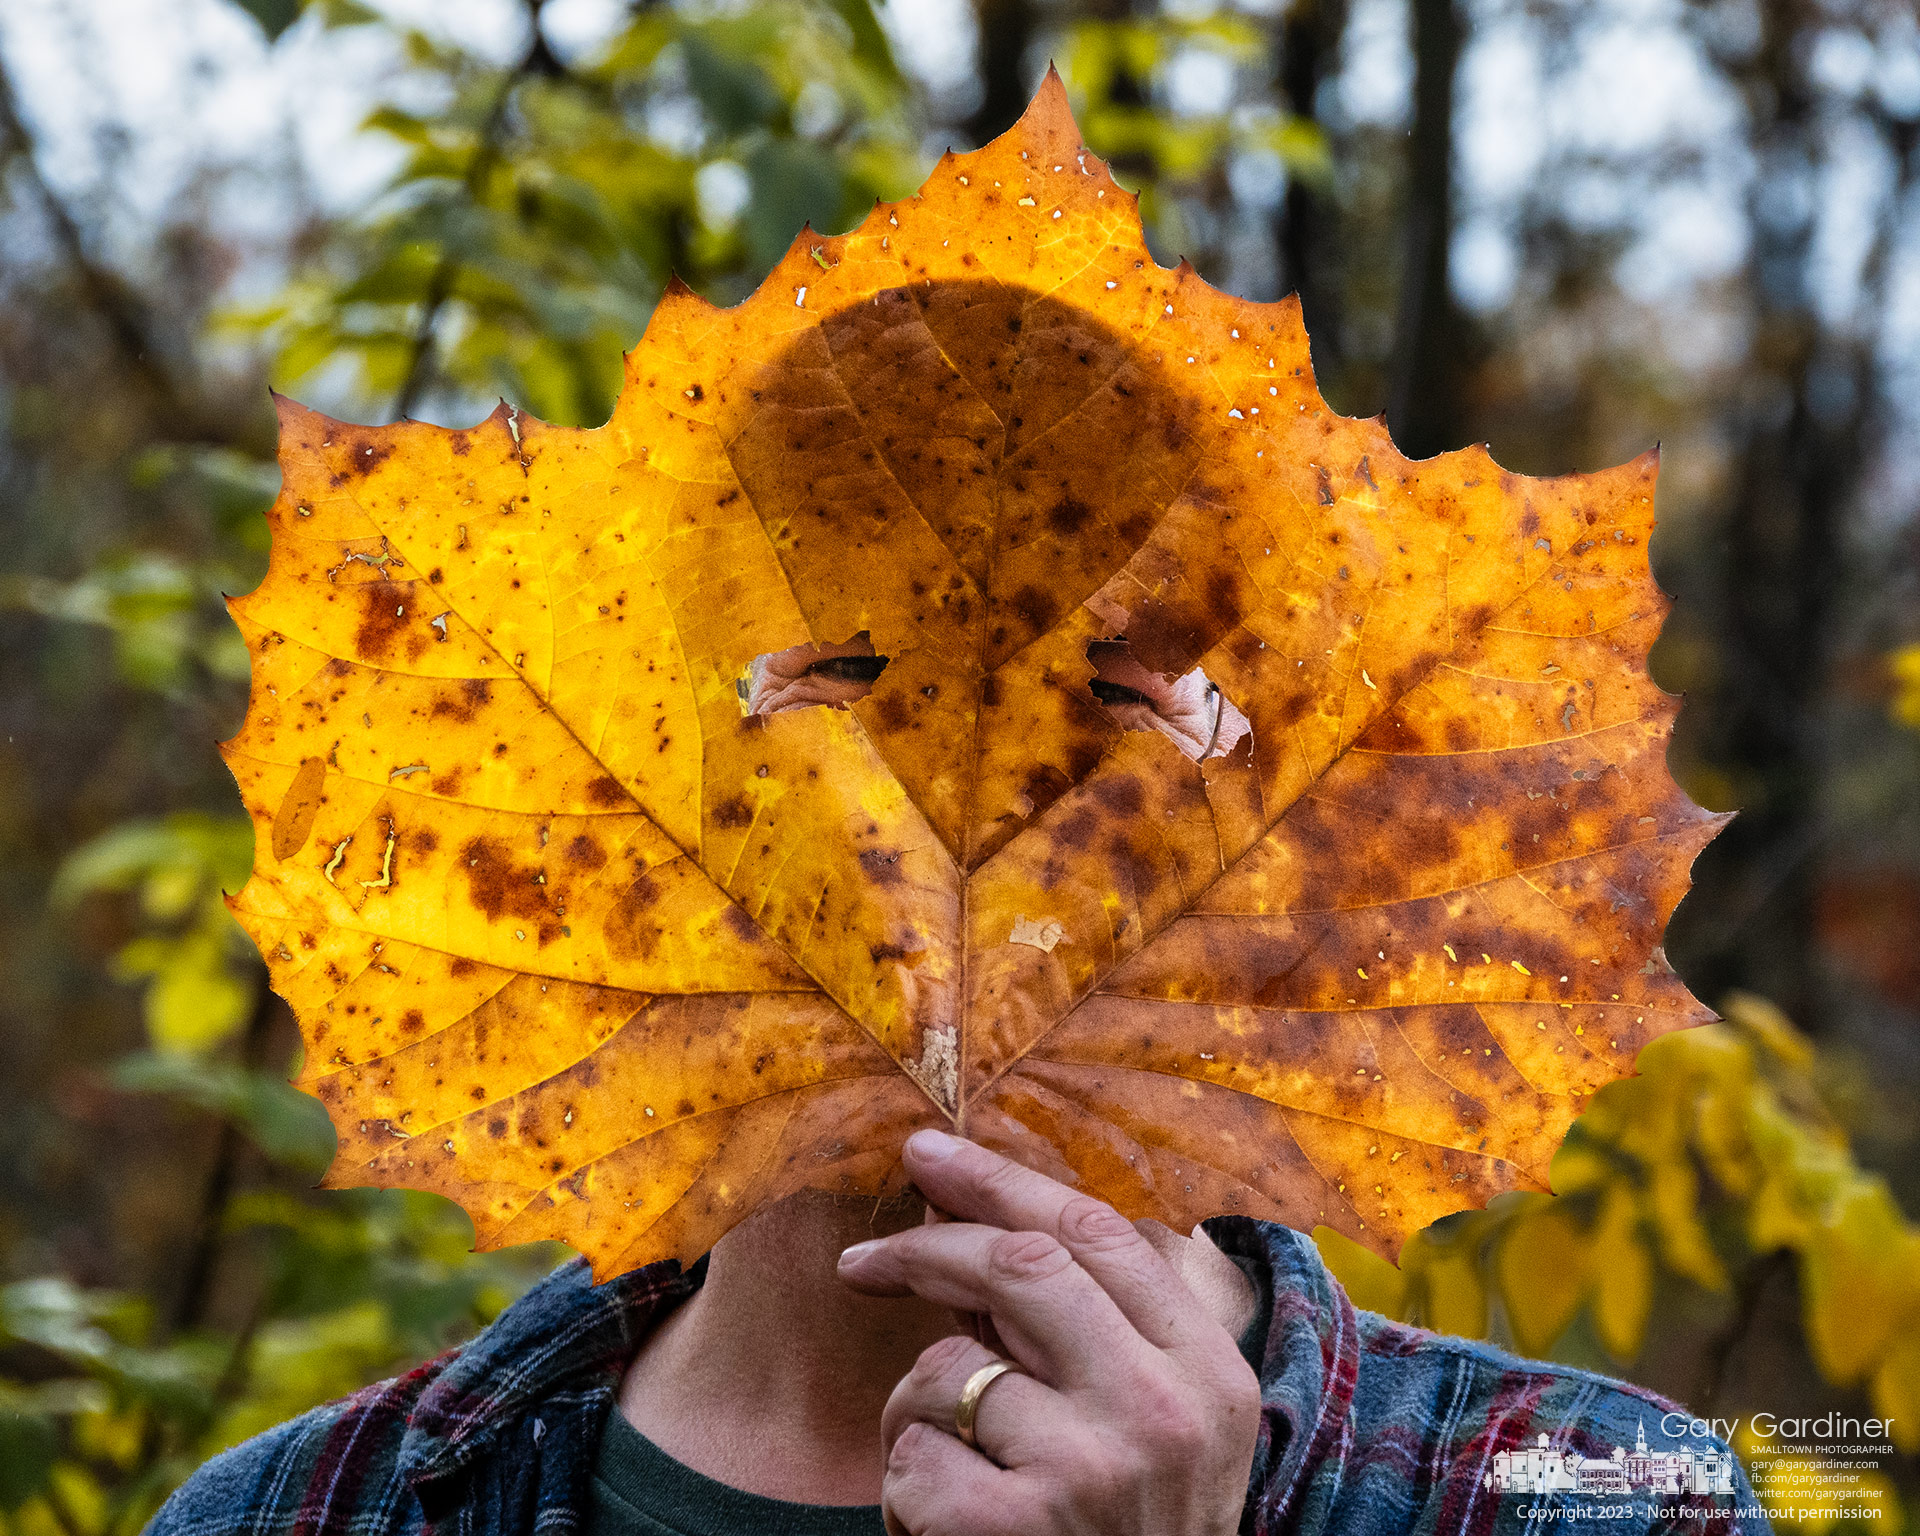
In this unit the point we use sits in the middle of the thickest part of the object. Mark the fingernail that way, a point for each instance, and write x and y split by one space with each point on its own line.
858 1254
934 1146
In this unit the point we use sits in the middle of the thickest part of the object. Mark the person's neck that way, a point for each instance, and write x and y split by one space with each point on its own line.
772 1376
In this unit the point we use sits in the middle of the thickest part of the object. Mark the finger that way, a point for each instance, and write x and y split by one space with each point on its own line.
1052 1316
1017 1417
934 1484
982 1186
1219 1285
974 1324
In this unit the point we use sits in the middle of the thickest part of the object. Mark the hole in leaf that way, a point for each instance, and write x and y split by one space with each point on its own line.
804 675
1189 711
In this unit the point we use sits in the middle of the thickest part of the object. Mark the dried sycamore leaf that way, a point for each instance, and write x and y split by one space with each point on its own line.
976 680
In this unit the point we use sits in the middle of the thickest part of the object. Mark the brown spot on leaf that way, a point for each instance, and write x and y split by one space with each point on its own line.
733 812
496 884
385 633
607 791
461 704
631 931
364 455
583 852
1068 516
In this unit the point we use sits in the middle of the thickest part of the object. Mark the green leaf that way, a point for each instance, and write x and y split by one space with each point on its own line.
869 40
28 1444
346 13
219 849
298 1363
99 1333
274 16
734 91
62 1319
793 184
289 1126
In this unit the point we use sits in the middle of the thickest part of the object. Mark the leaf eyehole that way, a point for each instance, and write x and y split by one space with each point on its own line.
849 669
804 676
1109 693
1191 711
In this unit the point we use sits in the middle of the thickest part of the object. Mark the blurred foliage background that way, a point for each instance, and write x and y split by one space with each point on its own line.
1568 228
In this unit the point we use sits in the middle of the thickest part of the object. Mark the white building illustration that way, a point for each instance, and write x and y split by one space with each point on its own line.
1539 1468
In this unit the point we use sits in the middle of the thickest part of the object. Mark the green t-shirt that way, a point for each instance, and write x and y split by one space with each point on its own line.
639 1490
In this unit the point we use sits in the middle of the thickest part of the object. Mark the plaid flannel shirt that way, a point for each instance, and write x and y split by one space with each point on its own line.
1369 1428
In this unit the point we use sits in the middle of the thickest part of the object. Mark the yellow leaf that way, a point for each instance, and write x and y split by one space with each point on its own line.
1771 1027
1454 1298
1860 1279
1578 1166
1544 1265
194 1000
1623 1275
79 1497
1896 1390
115 1435
1370 1281
974 681
1673 1200
1904 666
1776 1216
37 1518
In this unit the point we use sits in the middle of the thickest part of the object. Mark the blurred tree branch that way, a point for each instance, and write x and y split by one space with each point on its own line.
179 408
210 1225
537 60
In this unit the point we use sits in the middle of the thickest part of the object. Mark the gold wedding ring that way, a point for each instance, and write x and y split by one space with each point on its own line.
968 1408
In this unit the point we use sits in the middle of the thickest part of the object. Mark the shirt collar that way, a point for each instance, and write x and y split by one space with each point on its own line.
1305 1347
565 1334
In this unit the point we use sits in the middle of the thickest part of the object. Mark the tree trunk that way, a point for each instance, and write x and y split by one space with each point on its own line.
1423 393
1780 574
1307 234
1006 32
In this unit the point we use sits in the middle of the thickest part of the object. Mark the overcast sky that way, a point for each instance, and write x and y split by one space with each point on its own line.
145 91
131 96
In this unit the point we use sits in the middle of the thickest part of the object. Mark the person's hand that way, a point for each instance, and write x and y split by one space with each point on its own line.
1136 1415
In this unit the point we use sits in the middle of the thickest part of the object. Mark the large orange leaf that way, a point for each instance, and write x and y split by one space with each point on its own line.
1246 818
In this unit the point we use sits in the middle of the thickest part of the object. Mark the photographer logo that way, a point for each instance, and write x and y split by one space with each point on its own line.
1539 1468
